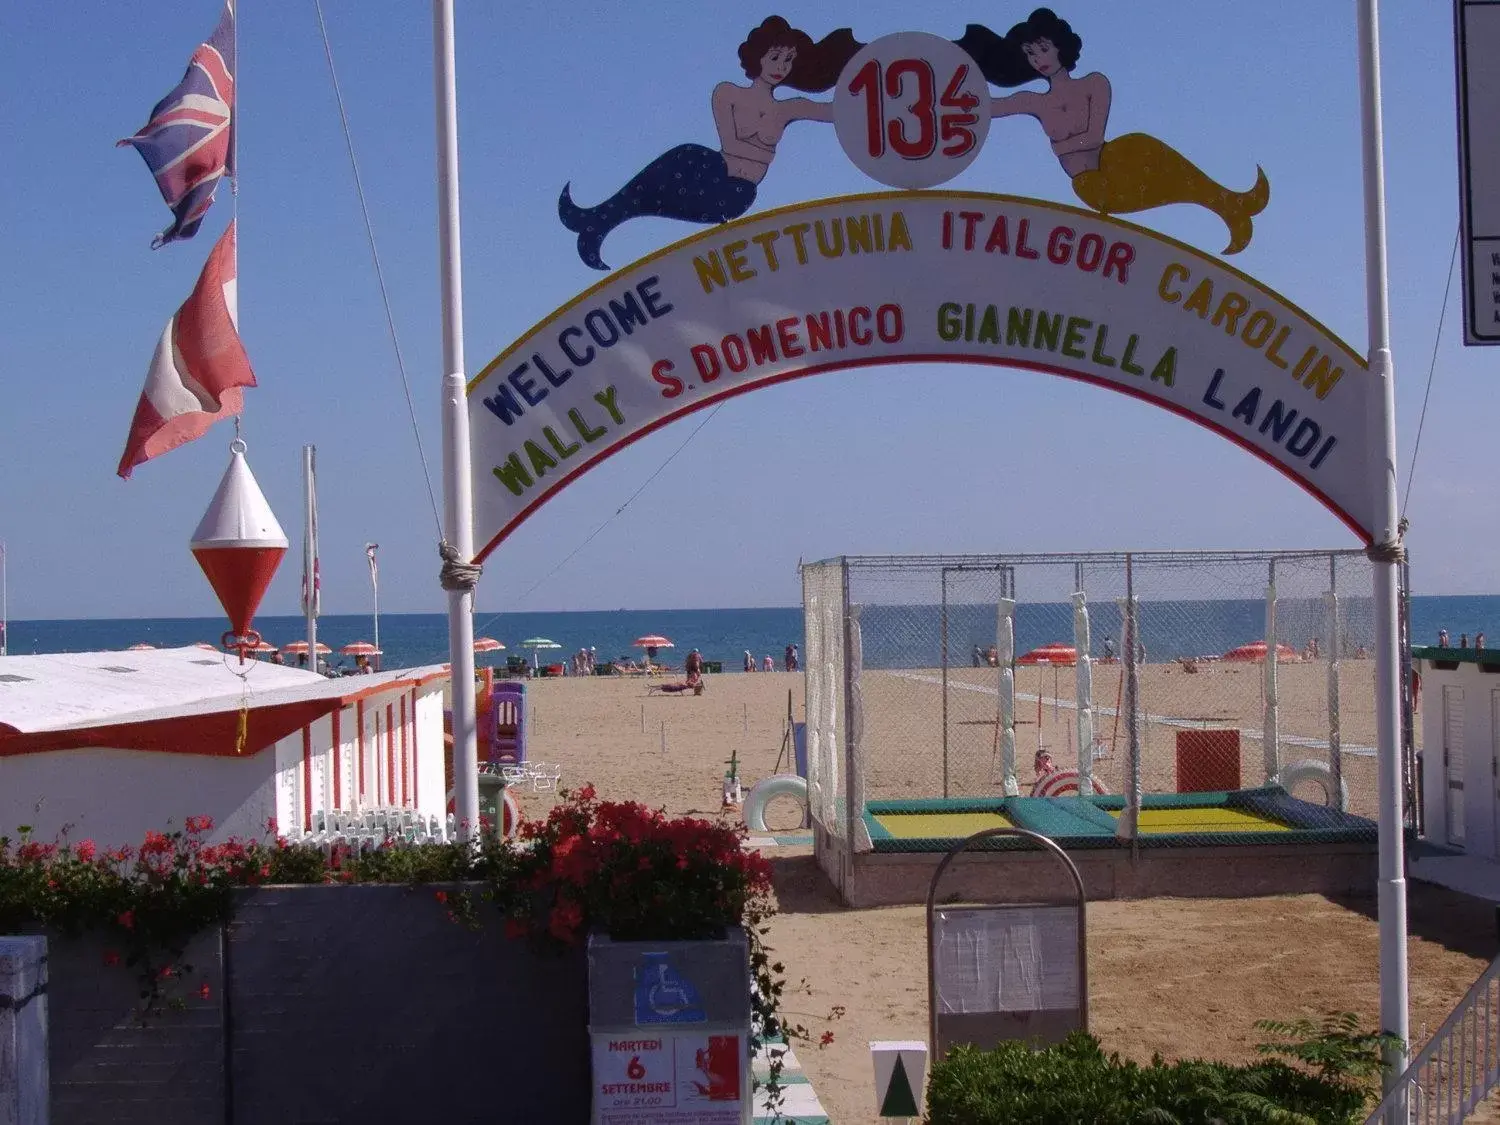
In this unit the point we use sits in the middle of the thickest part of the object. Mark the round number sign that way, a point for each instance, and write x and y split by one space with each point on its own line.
912 110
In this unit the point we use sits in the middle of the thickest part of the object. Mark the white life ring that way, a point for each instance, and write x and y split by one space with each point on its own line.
764 791
1317 773
1058 782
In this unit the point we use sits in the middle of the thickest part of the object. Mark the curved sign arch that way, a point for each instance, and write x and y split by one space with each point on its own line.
921 277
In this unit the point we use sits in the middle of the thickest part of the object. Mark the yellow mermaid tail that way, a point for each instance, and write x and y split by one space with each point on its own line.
1137 173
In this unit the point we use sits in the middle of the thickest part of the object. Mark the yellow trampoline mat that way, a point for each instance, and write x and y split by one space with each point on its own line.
1203 820
941 825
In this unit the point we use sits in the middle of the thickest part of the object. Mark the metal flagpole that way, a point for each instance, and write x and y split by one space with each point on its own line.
1386 555
458 499
310 552
4 604
370 549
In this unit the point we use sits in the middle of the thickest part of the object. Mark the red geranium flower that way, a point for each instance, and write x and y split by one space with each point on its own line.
111 957
86 850
204 991
127 920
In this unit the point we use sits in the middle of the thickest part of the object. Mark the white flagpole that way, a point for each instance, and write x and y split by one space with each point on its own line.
1394 1017
370 549
458 499
4 605
310 552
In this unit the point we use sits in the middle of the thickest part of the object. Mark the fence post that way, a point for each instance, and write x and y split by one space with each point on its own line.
1270 737
1005 693
943 586
1084 683
1130 815
1335 653
23 1030
852 813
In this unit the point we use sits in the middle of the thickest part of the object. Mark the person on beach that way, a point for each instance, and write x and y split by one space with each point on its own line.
362 665
1130 173
1442 638
1478 642
1109 648
693 665
749 661
768 664
978 657
698 184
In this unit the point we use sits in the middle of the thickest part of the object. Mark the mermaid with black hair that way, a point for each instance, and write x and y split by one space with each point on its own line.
1134 172
702 185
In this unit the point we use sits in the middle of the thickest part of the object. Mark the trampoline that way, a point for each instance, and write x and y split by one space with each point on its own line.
1242 817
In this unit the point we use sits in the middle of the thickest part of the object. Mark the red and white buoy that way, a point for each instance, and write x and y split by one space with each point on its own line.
239 545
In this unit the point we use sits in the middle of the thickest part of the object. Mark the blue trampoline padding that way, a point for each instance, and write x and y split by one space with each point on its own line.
1062 818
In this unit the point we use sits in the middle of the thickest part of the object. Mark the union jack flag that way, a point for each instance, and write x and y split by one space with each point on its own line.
188 143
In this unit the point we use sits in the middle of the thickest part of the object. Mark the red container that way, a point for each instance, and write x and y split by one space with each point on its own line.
1208 761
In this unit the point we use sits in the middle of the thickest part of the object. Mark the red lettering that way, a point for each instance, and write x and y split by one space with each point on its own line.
706 361
856 334
888 324
1060 245
1121 254
1090 252
734 353
673 385
786 333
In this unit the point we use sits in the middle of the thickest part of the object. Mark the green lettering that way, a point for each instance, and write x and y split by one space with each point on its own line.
1127 361
989 326
606 399
563 451
950 321
1073 338
1047 331
540 461
1165 370
1018 327
585 431
1100 356
512 475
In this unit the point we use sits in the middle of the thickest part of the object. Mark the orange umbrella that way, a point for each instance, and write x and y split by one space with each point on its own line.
487 644
1054 653
267 646
358 648
1255 652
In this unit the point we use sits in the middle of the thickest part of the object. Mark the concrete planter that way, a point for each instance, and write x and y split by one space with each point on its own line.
327 1004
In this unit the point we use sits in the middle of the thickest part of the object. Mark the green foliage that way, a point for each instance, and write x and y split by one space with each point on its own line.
1335 1049
1077 1082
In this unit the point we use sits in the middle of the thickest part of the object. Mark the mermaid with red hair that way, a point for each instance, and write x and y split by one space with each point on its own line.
699 184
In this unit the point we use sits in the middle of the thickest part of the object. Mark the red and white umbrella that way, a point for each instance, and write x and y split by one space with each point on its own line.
1057 653
652 640
267 646
1255 652
142 647
299 648
487 644
205 644
358 648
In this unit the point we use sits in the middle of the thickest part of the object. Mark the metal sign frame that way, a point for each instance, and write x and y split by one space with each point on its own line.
1058 854
1481 247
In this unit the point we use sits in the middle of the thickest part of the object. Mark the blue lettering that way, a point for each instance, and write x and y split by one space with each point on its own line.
627 312
606 336
1213 385
503 405
654 304
1248 406
1278 420
527 387
588 351
1307 435
552 376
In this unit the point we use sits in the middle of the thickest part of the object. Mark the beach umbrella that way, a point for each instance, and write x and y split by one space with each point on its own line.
1055 653
1255 652
357 648
487 644
651 642
142 647
537 643
267 646
299 648
205 644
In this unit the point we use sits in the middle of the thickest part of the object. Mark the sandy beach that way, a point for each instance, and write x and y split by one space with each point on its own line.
1178 976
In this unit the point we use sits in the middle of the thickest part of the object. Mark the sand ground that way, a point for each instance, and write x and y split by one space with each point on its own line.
1178 976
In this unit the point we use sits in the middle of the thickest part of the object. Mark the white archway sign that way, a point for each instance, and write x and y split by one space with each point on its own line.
934 276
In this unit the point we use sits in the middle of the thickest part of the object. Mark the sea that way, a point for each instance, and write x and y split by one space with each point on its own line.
891 636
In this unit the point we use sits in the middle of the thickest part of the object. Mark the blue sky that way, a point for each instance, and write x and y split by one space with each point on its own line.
916 459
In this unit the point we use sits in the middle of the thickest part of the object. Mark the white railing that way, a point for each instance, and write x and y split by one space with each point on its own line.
1457 1069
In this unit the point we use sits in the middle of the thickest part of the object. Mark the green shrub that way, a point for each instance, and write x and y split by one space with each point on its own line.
1077 1082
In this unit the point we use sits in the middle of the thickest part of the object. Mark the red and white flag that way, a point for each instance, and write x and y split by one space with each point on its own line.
198 369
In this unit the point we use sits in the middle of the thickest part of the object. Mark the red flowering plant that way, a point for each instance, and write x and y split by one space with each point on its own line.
636 874
148 901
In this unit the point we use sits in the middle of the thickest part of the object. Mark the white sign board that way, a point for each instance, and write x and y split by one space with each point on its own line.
1007 959
688 1078
1477 23
911 278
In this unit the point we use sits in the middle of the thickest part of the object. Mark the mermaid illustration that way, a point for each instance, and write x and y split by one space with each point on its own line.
702 185
1134 172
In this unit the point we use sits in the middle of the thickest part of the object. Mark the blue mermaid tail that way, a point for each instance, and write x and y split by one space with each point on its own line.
689 182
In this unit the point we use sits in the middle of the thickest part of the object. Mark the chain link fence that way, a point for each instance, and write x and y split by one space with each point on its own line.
969 679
